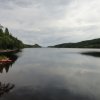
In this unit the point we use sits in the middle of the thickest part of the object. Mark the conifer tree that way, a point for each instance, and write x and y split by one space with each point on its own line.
6 31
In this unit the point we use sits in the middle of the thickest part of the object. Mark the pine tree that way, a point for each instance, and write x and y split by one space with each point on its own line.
6 31
1 31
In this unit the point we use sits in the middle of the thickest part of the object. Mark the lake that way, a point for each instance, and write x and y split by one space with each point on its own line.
52 74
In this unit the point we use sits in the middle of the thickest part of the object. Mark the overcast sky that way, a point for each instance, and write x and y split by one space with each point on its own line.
49 22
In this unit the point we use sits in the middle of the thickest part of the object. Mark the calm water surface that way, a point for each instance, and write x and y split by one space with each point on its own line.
52 74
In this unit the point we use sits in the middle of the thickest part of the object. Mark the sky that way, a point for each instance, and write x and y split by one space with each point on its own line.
50 22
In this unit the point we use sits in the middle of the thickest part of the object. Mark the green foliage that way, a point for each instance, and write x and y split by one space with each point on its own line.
3 57
6 31
1 32
7 41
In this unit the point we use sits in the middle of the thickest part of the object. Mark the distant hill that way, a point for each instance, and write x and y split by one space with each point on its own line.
32 46
95 43
7 41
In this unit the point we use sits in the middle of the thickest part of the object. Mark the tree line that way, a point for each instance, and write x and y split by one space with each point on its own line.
94 43
7 41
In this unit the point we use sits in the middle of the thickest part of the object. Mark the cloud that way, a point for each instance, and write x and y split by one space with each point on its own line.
51 22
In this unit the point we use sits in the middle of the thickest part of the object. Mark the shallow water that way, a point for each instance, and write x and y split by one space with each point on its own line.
52 74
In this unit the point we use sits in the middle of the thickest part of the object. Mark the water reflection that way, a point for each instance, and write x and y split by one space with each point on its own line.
49 93
94 54
7 65
5 88
53 74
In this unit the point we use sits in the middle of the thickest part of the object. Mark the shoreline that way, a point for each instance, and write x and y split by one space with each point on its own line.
4 59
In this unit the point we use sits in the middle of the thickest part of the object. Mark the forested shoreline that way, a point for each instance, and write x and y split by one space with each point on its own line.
94 43
7 41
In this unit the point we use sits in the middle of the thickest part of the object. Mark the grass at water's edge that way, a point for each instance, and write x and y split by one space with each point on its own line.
2 57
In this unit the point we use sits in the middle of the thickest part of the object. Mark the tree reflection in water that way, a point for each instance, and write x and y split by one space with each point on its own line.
5 88
7 65
94 54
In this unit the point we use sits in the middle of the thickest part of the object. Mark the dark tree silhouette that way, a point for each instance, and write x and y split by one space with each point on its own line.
7 41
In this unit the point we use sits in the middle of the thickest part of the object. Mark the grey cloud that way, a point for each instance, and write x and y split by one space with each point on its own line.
11 3
49 22
53 36
25 3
